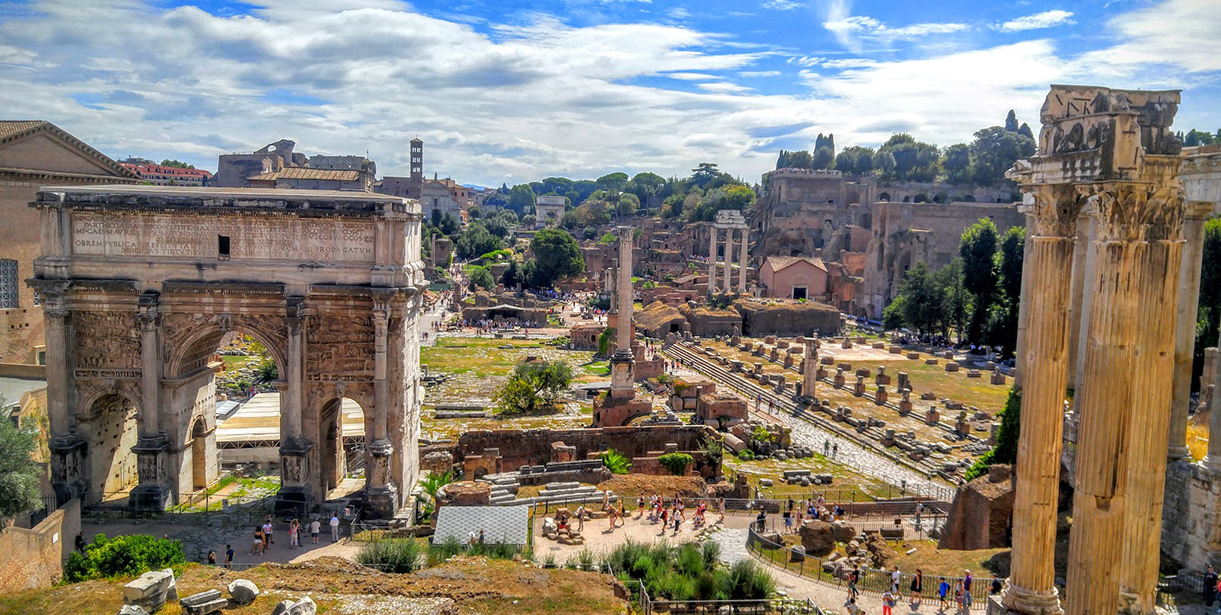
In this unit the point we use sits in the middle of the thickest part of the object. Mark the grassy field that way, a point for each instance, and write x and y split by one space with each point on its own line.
845 480
479 366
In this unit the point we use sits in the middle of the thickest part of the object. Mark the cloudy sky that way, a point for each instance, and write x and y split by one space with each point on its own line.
516 90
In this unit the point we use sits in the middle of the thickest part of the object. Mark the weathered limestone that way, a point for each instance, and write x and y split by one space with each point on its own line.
809 369
1213 460
729 221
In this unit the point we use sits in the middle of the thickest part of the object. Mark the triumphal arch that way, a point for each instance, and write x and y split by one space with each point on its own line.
140 283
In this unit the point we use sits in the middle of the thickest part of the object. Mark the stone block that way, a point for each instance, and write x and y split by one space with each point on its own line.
131 609
797 553
863 372
998 377
847 344
147 585
896 350
913 355
879 345
951 367
203 603
243 591
931 361
974 373
827 360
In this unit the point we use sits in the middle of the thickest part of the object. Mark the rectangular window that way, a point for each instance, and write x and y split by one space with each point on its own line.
222 247
8 284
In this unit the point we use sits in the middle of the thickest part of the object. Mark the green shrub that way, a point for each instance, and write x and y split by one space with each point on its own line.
746 455
398 555
688 572
438 553
676 463
123 556
616 462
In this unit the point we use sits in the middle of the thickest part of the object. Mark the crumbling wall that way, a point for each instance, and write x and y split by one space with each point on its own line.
787 319
707 322
533 447
981 513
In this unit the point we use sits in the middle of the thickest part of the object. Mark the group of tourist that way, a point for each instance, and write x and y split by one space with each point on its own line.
673 512
264 534
798 511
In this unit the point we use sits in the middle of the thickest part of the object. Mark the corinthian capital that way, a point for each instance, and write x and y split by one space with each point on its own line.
1138 211
1055 210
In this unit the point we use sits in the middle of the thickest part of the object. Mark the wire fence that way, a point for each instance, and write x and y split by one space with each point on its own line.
874 581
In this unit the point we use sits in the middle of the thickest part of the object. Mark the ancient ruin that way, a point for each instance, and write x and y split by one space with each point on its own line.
1108 154
140 284
621 405
728 221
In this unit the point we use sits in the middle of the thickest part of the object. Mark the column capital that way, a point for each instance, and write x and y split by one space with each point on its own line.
1054 210
1138 211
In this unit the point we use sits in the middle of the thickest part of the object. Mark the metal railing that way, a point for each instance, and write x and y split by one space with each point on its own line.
871 581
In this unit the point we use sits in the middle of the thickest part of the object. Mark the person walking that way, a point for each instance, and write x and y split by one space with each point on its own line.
894 580
1210 585
294 531
888 603
581 518
267 529
334 528
966 591
853 578
229 557
315 527
79 543
211 557
943 589
917 587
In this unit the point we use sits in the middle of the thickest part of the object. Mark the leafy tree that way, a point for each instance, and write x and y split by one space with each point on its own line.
481 278
855 160
474 212
19 475
177 164
1198 137
978 252
613 182
629 204
919 303
122 556
512 276
884 163
795 160
824 158
706 175
521 199
994 151
956 299
1025 131
647 185
958 163
737 197
1007 434
1011 123
476 240
676 463
496 200
1208 321
556 256
533 387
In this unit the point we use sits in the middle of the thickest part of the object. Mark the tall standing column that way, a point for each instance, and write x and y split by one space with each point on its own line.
1135 269
1050 219
66 446
295 379
1081 248
153 492
379 487
809 369
1213 460
728 259
712 231
623 336
150 382
381 387
742 259
1185 333
296 472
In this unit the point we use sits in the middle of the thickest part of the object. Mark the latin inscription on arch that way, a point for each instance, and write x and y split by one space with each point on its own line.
325 240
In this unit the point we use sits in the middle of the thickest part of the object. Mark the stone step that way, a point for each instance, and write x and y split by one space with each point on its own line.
562 485
577 491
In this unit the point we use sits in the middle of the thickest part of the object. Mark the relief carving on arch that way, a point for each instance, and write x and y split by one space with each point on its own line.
179 328
106 340
339 348
90 390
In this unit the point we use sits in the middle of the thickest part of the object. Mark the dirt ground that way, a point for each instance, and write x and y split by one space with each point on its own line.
461 586
600 539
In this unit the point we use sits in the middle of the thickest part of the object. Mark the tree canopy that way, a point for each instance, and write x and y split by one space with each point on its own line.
977 250
19 474
534 387
521 199
556 256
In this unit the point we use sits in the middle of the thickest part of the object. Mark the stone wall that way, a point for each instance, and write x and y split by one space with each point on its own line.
980 515
707 322
788 319
533 447
1189 527
34 558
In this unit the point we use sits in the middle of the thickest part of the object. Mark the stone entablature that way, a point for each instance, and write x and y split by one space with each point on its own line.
141 284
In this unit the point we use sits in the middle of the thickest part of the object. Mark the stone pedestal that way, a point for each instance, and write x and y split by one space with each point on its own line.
296 494
621 374
880 395
381 496
68 467
858 388
154 493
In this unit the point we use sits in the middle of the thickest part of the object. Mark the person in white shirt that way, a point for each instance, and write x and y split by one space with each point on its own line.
314 528
334 528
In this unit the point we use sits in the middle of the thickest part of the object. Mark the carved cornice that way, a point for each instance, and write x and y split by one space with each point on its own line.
1138 211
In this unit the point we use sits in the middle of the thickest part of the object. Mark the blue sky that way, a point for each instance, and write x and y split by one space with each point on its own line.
505 91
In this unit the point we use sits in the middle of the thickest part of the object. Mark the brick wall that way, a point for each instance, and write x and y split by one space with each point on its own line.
35 558
533 447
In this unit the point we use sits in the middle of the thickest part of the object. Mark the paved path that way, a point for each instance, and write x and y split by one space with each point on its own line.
733 545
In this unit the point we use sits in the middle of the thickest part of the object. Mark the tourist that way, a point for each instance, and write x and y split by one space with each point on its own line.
966 591
853 578
211 557
997 586
958 597
894 580
229 557
919 509
267 529
888 603
334 528
721 506
677 522
481 536
788 522
80 547
917 587
256 548
294 530
943 589
1210 585
581 518
835 450
853 609
315 527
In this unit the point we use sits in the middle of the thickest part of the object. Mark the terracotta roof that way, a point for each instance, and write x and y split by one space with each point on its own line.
783 262
308 173
10 128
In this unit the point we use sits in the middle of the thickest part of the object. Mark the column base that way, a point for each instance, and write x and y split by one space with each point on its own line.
1017 599
1178 453
381 502
1211 464
67 462
294 501
150 498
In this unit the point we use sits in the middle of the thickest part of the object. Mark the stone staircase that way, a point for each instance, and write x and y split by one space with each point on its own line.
506 485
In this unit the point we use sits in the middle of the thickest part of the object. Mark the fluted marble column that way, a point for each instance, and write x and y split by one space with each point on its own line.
742 258
1185 333
712 232
809 369
1051 219
1123 400
728 259
1213 460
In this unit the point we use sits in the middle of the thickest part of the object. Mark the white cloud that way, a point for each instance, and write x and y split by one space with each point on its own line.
1046 19
854 30
783 5
530 100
